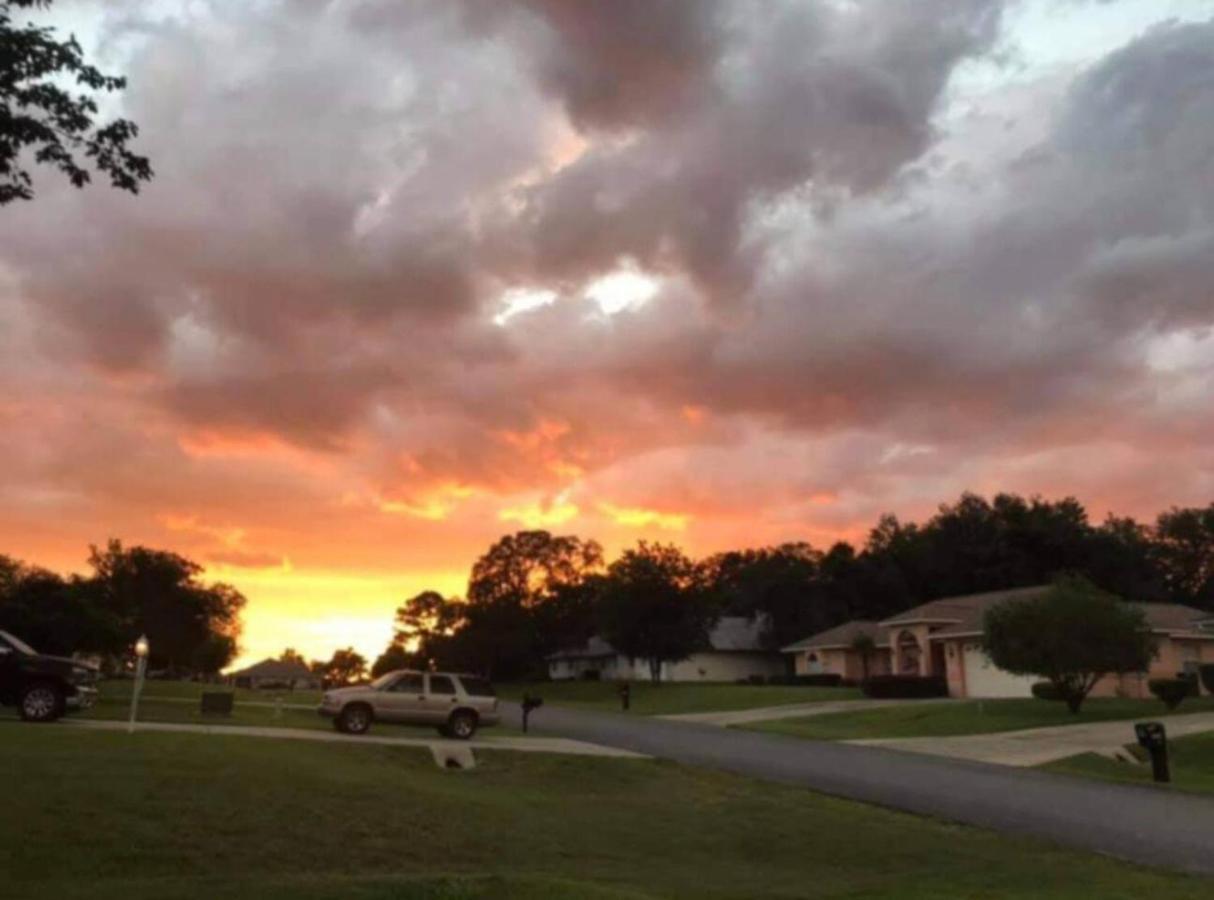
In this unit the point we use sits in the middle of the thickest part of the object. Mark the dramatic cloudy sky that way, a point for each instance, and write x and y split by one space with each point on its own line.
414 274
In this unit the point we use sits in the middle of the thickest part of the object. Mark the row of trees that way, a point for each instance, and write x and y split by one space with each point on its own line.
533 593
192 627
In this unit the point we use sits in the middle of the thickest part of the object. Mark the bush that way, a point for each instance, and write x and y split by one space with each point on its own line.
755 679
818 679
592 675
1047 690
884 687
1207 676
1171 690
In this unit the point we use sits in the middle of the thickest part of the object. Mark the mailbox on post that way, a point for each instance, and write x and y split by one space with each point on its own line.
625 696
1154 739
529 703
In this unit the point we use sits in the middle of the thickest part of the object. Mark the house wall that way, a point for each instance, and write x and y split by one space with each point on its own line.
843 662
1172 654
707 666
965 679
293 684
900 664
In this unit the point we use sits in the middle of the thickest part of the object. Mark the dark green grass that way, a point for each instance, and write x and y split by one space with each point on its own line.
183 817
676 697
967 717
1192 764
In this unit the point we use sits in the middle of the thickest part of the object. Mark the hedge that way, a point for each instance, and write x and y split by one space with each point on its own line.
883 687
1207 676
1171 690
817 679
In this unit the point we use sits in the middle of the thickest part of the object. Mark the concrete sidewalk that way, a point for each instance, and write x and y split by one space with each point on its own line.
517 744
1035 746
790 711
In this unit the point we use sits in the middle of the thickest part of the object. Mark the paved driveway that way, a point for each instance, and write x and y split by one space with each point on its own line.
1142 824
1035 746
790 711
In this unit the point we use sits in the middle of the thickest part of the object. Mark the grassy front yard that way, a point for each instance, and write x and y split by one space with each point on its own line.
674 697
121 687
968 717
1192 762
181 817
177 702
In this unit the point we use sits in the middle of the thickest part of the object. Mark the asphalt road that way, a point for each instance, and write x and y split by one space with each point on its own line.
1138 823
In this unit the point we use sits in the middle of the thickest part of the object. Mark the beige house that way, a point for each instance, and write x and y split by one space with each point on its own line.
835 652
735 652
943 638
276 674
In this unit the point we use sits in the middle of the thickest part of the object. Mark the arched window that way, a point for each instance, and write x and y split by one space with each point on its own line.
813 665
909 654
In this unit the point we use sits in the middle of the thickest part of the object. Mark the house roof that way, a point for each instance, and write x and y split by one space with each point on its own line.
595 648
731 634
961 614
275 668
840 636
963 617
1175 618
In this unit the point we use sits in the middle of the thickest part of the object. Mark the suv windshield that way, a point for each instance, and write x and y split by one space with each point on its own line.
383 680
17 644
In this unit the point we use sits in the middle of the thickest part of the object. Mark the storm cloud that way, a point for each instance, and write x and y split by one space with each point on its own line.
886 254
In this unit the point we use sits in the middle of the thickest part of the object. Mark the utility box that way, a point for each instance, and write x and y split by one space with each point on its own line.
217 703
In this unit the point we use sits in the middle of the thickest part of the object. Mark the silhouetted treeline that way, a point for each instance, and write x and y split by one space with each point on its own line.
533 593
191 627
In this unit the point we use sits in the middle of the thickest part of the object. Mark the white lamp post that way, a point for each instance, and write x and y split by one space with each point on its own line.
141 667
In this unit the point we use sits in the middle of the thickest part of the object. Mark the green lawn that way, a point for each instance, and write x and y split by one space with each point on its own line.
675 697
121 687
182 817
180 705
967 717
1192 763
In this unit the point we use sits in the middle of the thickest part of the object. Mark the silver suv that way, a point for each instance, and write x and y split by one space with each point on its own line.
455 704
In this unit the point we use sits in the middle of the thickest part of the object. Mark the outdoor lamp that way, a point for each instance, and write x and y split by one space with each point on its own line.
141 667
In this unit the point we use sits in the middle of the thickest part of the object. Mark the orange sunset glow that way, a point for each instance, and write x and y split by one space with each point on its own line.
413 276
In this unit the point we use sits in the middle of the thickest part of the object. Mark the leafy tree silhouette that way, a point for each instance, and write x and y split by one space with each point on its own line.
54 124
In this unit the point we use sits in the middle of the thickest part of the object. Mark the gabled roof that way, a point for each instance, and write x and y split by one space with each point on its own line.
839 636
595 648
1162 618
962 613
275 668
738 634
1176 618
731 634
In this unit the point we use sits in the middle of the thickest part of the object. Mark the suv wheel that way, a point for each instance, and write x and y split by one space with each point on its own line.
461 725
41 701
354 719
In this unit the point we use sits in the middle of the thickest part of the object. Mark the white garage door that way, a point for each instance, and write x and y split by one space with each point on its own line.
983 679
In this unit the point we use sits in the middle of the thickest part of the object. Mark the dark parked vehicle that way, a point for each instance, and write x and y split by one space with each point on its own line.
43 688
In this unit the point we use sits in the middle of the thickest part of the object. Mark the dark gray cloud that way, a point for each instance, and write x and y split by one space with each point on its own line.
867 295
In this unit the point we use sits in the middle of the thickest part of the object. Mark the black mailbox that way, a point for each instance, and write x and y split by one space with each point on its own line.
217 703
1153 738
625 696
529 703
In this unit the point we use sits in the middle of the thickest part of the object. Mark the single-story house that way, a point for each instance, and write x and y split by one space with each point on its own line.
275 673
944 638
735 651
835 651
